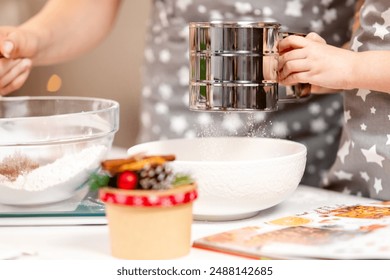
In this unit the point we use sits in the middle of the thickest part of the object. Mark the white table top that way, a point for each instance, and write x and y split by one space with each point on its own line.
92 241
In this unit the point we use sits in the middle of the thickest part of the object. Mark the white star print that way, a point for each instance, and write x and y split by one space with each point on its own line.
183 4
364 176
178 124
320 154
318 125
386 17
267 11
336 105
346 191
380 30
344 151
215 15
145 119
388 139
294 8
329 112
326 3
183 75
366 9
372 156
347 115
336 37
363 127
202 9
356 44
161 108
325 181
257 12
373 110
363 93
317 25
314 109
184 33
165 56
165 91
311 169
378 185
280 129
296 126
186 97
330 15
243 8
329 139
341 175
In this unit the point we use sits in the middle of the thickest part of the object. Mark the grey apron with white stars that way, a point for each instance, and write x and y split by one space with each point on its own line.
363 161
164 111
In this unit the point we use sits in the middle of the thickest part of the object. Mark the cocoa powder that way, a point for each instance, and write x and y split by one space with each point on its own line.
15 165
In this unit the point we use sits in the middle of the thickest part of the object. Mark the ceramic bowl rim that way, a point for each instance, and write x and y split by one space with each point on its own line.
301 153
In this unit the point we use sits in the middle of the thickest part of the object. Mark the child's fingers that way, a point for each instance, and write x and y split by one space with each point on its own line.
294 78
291 55
292 67
315 38
291 42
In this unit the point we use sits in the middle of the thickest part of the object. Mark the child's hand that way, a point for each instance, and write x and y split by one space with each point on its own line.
310 60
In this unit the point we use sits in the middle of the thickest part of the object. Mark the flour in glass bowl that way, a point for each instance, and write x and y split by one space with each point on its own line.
72 169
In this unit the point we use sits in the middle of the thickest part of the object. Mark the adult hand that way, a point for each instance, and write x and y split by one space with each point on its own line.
13 74
310 60
16 48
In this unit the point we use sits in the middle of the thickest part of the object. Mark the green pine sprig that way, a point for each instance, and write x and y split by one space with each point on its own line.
98 180
181 179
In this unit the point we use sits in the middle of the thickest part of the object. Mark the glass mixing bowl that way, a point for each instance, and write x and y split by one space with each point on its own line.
49 146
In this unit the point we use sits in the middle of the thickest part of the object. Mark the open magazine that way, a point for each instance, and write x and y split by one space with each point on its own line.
338 232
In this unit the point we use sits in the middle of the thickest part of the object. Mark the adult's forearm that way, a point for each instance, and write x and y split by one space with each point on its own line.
65 29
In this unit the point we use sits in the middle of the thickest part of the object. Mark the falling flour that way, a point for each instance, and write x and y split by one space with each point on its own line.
69 169
228 124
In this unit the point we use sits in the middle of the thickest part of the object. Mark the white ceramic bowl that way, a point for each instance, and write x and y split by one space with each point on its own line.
49 146
237 176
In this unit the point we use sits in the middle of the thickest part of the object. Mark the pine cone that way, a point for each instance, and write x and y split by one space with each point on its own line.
155 176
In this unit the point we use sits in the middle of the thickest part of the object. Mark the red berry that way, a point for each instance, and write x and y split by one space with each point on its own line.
127 180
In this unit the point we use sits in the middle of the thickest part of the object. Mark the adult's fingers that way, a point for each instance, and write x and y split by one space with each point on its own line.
17 44
7 64
16 77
